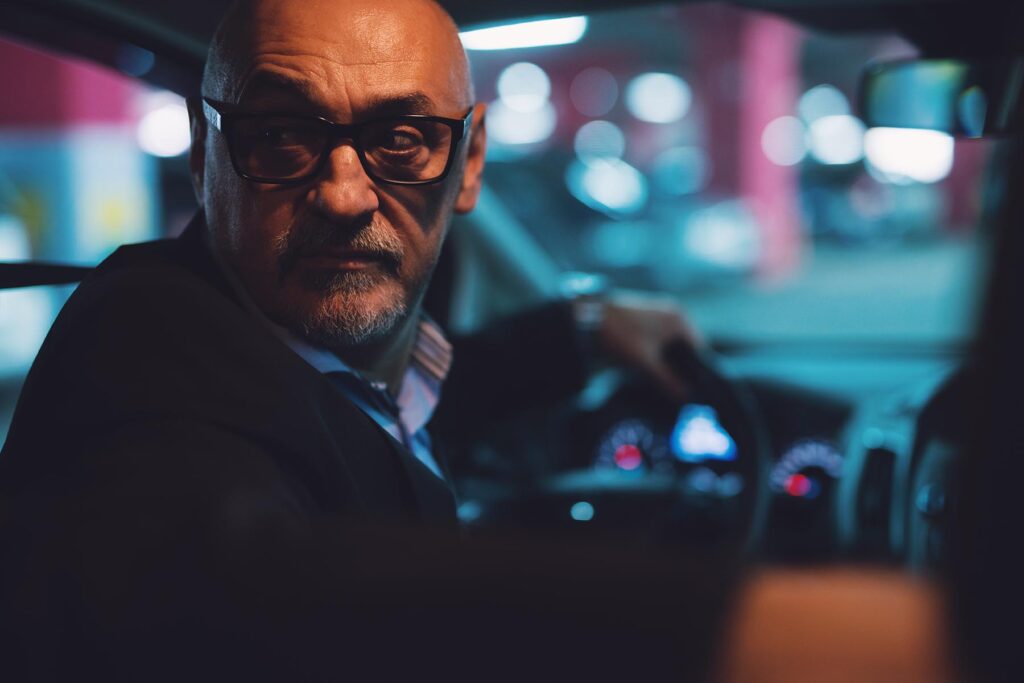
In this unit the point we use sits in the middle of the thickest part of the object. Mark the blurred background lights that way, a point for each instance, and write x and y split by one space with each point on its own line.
594 92
524 87
784 141
621 244
526 34
822 101
582 511
164 129
658 97
837 140
903 155
608 185
599 139
507 126
723 235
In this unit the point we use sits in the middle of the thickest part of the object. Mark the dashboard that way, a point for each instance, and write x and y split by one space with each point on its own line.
842 477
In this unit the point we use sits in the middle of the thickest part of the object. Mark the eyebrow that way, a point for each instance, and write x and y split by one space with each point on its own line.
271 83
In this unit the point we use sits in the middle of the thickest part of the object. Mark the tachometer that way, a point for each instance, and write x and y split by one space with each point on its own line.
806 469
633 446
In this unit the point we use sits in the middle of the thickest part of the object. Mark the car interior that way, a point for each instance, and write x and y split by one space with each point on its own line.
825 187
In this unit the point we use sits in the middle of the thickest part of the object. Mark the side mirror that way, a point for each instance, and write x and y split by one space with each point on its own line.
965 98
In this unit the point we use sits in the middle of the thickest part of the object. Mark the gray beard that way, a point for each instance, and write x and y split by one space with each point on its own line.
343 320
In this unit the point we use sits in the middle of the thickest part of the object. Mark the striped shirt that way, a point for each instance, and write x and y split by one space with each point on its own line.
405 417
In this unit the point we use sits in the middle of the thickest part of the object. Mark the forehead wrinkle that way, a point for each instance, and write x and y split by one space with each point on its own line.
337 62
396 102
270 75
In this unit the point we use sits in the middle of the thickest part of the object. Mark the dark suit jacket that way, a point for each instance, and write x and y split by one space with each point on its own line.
165 444
183 498
153 343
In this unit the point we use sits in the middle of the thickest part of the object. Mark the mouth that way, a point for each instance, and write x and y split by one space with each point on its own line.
344 259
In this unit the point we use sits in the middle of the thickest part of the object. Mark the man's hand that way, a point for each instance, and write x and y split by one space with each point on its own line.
634 331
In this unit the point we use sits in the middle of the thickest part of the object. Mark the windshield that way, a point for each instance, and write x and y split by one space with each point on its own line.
716 153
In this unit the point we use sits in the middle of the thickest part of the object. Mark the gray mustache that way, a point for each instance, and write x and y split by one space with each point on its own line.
373 237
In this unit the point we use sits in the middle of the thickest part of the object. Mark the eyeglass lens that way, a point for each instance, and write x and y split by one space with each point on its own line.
282 148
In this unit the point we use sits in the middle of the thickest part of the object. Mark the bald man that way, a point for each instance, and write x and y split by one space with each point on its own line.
207 410
277 352
203 407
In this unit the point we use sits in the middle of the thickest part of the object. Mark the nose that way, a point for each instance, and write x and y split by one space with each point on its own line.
343 191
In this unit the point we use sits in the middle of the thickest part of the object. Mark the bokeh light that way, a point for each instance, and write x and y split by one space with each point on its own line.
905 155
608 185
507 126
524 87
599 139
163 130
582 511
724 235
837 140
784 141
658 97
822 101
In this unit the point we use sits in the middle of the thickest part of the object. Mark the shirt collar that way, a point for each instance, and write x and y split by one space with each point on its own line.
431 352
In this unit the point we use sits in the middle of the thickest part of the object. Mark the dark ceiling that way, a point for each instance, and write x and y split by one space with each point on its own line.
178 30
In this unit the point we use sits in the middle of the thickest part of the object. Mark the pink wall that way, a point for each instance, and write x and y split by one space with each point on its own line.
52 92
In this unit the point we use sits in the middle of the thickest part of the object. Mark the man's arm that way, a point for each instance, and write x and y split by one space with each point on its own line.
546 354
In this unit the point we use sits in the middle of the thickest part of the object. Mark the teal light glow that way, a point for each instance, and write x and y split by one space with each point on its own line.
582 511
698 437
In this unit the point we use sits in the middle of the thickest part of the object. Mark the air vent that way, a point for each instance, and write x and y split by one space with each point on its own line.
874 505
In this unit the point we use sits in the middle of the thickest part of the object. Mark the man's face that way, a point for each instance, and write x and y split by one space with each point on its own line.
340 259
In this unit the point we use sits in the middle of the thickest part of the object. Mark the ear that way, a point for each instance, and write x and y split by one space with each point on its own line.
472 176
197 151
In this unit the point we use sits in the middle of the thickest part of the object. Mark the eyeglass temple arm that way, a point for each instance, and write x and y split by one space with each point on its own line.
211 114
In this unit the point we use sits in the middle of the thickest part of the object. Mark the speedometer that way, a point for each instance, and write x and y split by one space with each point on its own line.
806 468
633 446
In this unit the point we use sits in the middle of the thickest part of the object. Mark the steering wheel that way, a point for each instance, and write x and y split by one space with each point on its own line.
720 502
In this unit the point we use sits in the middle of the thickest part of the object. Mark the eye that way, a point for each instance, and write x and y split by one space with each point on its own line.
277 132
399 139
278 136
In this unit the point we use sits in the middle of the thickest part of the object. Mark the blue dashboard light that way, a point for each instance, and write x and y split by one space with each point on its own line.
582 511
698 437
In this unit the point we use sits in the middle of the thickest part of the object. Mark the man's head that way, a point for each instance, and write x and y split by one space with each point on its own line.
342 257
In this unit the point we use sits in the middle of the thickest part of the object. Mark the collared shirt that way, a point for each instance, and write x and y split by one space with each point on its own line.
404 418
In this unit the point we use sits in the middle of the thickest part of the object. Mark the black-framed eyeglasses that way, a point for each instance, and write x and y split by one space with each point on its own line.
285 149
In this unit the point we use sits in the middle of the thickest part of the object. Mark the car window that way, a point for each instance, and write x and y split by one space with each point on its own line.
716 153
90 158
